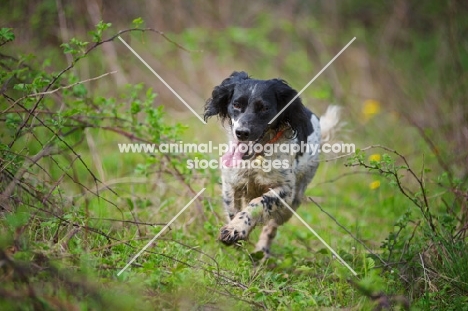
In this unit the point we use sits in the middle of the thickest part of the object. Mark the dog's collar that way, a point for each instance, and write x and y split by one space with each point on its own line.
279 134
275 138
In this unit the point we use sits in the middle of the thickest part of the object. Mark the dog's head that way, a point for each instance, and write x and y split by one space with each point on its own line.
250 104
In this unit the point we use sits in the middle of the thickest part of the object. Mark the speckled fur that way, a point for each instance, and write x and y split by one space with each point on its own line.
246 193
249 202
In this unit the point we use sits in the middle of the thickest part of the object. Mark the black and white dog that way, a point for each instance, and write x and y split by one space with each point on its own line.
250 192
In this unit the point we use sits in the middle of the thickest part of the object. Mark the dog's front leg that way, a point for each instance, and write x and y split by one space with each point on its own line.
232 203
259 210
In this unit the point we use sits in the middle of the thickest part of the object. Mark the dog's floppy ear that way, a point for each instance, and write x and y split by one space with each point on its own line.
296 115
221 96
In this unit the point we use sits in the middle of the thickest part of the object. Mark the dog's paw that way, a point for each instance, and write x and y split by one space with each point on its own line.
237 229
229 234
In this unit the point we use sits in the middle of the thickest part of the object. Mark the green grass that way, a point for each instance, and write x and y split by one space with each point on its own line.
188 267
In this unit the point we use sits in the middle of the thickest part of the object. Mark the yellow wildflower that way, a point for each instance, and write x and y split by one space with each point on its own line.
374 185
374 157
370 108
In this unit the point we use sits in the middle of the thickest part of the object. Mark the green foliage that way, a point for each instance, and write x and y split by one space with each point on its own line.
432 250
39 140
6 35
138 22
80 209
75 46
100 28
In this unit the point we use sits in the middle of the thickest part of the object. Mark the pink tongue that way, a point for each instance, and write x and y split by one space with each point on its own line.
233 156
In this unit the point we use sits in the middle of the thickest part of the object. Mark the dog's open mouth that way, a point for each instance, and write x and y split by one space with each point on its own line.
235 154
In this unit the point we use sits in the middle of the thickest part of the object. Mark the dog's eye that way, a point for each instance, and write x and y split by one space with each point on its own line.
236 105
264 108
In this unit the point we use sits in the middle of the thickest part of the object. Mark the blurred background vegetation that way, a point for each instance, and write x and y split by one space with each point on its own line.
409 57
74 210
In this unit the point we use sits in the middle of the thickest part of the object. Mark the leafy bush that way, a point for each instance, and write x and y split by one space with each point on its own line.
427 246
52 188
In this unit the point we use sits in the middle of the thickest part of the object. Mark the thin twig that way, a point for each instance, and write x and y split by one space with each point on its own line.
58 89
347 231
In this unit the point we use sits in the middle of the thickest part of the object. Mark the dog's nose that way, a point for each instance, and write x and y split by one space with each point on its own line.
242 133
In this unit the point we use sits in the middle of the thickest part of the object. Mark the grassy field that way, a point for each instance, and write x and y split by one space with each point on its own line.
74 211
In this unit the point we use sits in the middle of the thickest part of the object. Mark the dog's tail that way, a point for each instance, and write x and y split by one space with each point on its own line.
329 123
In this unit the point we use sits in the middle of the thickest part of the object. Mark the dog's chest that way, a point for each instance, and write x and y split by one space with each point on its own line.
261 174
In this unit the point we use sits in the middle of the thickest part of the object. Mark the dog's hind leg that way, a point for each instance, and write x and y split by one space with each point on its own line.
266 238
